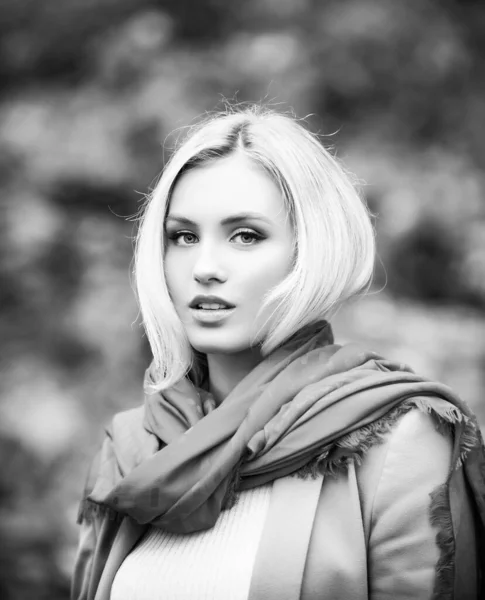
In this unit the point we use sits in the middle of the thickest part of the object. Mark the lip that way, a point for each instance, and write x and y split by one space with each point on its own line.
211 315
209 299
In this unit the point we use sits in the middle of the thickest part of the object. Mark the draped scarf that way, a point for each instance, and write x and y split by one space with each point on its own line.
181 460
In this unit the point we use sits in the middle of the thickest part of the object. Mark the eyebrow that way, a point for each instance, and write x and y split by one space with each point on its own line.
227 221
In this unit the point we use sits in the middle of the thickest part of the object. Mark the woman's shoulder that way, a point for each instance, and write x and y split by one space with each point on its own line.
130 419
129 438
412 458
416 433
415 438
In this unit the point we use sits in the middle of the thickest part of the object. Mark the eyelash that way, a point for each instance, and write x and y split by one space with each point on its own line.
256 236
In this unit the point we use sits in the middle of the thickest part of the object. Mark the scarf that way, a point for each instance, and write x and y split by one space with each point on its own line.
186 459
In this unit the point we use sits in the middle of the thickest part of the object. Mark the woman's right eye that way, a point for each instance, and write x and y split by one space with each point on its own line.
175 236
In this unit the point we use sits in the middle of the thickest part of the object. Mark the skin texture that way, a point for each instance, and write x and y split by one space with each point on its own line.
211 258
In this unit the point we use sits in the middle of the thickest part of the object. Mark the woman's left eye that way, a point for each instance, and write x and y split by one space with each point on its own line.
254 236
244 232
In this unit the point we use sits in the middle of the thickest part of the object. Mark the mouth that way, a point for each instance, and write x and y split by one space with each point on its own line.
211 315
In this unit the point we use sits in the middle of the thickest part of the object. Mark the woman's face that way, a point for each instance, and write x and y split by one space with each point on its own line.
238 261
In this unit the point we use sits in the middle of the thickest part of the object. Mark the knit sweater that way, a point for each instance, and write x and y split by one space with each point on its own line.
211 564
395 481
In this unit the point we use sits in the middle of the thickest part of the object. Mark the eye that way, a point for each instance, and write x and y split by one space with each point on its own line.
177 235
256 237
251 234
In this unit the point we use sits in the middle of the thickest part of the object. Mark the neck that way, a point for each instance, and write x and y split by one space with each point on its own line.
227 370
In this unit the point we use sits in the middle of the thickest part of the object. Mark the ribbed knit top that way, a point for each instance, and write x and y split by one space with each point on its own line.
215 564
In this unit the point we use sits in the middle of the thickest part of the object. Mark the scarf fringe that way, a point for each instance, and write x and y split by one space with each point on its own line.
440 515
470 439
336 457
313 467
447 411
89 511
231 497
447 417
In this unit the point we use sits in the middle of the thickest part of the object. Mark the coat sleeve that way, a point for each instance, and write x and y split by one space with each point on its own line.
81 576
96 535
402 545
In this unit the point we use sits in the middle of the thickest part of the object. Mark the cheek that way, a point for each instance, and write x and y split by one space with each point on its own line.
171 278
266 274
273 266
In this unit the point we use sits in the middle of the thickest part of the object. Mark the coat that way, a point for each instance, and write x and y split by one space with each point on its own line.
375 530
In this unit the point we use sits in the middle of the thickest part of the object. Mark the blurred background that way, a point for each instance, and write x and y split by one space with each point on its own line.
91 91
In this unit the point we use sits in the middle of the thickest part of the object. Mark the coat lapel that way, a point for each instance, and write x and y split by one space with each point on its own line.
282 551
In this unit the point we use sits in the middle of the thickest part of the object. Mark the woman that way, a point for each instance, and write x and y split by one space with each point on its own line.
267 461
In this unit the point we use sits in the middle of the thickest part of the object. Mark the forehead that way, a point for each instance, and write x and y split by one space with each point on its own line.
227 185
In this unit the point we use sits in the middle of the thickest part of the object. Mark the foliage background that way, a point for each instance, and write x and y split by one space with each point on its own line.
91 90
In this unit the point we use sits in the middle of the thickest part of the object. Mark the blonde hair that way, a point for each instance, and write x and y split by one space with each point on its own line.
334 243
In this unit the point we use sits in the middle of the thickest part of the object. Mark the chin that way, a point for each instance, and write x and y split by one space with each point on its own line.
217 341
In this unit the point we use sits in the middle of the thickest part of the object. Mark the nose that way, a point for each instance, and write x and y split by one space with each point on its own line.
208 266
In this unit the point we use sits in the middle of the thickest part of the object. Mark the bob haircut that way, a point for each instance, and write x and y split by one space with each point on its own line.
333 245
